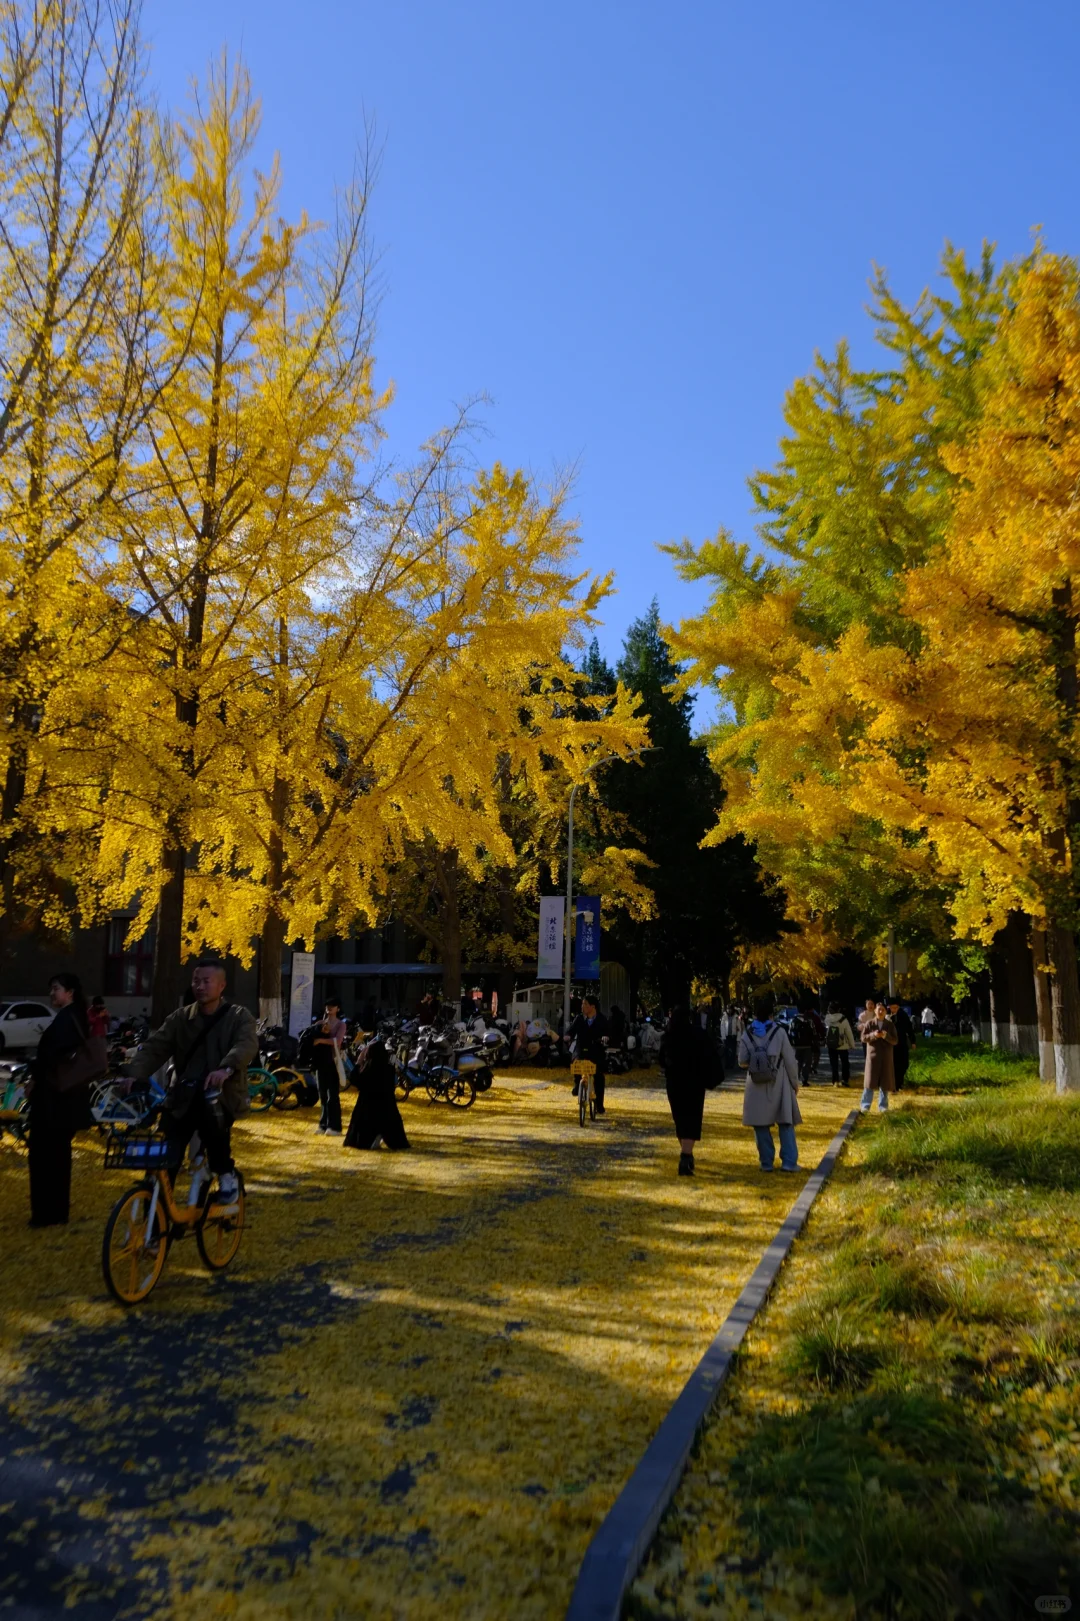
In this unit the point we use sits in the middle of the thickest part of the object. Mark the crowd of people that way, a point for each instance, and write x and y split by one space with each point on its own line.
211 1042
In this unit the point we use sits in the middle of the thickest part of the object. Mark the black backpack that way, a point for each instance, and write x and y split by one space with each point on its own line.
802 1032
832 1037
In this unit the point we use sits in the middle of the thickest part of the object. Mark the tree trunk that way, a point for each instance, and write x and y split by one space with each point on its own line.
980 1001
1040 963
999 992
271 953
507 922
447 870
451 960
1065 1007
169 970
1023 1011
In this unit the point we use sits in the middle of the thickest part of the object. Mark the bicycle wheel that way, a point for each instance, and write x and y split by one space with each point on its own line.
132 1265
460 1091
289 1084
592 1104
262 1089
218 1237
582 1099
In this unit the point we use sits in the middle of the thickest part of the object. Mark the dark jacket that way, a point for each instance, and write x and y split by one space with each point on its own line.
689 1058
58 1040
590 1038
232 1044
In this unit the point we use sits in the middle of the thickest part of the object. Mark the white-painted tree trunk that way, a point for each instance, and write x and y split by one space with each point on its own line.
270 1009
1024 1039
1067 1066
1047 1067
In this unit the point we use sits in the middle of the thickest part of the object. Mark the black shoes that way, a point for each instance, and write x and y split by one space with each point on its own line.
600 1109
686 1164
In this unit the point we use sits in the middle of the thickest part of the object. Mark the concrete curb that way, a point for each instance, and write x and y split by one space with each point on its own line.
616 1551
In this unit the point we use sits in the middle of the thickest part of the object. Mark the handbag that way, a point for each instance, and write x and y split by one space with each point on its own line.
87 1062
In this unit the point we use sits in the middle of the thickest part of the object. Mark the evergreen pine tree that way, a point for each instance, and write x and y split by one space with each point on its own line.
707 900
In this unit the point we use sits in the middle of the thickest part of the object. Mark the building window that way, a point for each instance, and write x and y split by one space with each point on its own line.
129 970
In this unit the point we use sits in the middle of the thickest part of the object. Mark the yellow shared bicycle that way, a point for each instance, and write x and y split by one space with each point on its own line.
583 1071
146 1219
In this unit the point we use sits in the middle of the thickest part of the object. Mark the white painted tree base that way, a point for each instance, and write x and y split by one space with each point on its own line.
1047 1069
1024 1038
1067 1067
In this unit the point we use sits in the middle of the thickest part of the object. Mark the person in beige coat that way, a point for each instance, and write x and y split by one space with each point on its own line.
772 1084
879 1034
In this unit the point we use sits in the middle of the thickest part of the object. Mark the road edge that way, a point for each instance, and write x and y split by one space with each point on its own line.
617 1550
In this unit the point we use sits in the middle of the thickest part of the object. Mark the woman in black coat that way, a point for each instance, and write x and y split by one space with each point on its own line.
376 1117
56 1116
689 1061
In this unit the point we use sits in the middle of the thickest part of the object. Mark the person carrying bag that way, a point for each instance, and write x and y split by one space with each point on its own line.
211 1043
772 1082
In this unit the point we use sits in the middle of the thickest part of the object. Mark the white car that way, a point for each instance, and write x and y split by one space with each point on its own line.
21 1023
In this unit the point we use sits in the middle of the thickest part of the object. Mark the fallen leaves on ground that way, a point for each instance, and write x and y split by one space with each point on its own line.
417 1391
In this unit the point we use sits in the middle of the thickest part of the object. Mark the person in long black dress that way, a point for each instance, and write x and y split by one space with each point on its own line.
376 1117
690 1063
56 1116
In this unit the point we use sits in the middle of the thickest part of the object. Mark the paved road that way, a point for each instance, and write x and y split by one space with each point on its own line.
417 1394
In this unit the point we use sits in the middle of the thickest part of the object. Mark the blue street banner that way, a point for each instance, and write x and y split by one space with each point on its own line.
587 938
549 956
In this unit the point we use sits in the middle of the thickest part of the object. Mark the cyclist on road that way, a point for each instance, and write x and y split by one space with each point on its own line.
211 1043
588 1032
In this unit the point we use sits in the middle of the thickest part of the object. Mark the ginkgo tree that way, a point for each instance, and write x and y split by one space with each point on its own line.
861 493
78 336
248 472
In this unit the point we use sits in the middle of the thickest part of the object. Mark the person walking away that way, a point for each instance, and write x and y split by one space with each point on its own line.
879 1034
689 1060
928 1019
211 1042
819 1036
802 1039
588 1033
772 1085
730 1031
839 1040
56 1112
376 1118
326 1050
905 1040
97 1017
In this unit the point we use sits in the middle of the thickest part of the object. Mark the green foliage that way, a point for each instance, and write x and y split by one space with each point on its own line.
1020 1133
707 900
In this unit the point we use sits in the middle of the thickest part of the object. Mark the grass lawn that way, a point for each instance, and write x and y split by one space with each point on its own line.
416 1393
901 1437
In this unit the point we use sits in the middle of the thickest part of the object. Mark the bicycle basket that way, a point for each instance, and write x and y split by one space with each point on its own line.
135 1150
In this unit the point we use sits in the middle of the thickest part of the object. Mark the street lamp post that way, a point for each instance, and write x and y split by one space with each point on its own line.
570 913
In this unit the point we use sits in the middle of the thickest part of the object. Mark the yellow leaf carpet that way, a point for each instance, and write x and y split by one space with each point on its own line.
417 1391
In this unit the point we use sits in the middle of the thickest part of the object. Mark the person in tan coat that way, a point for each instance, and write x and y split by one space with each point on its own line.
879 1034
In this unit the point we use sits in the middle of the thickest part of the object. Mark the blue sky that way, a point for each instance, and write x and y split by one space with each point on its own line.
632 224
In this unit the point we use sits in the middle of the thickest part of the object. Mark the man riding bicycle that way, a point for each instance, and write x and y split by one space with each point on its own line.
211 1043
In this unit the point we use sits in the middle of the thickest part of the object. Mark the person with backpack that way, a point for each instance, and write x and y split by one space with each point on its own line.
772 1084
802 1039
839 1042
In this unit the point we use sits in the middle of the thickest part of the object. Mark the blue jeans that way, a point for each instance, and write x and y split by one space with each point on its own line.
868 1098
789 1152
